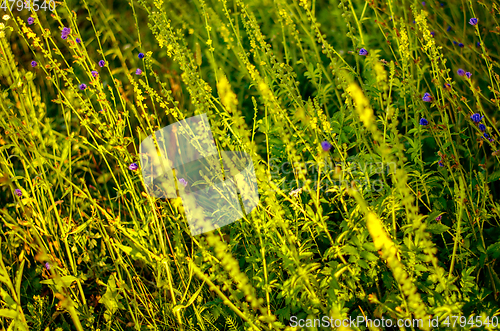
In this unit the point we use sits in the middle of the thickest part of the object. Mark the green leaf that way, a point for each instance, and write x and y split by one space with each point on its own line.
494 250
437 228
368 256
8 313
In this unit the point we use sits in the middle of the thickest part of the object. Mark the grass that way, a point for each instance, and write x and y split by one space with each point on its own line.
376 200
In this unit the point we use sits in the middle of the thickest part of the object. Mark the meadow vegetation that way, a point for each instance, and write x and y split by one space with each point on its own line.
371 126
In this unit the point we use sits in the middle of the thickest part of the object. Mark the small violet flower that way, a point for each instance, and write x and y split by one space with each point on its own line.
427 97
183 182
478 44
440 163
326 145
102 63
141 55
468 74
82 86
133 166
31 20
66 31
363 52
423 122
78 40
94 73
448 29
461 72
433 33
460 45
439 218
47 265
18 192
473 21
476 118
482 127
454 42
34 64
138 71
64 36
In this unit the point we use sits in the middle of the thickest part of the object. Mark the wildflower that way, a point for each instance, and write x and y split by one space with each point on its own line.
478 44
138 71
94 73
141 55
460 45
482 127
461 72
6 17
133 166
447 85
82 87
454 42
31 20
423 122
468 74
183 182
427 97
326 145
78 40
363 52
448 29
440 163
18 192
64 36
442 4
102 63
485 135
476 118
433 33
473 21
491 140
47 265
33 64
423 3
65 31
439 218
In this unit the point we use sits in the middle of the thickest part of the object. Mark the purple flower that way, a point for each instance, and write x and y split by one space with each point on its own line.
439 218
433 33
82 86
64 36
363 52
141 55
427 97
454 42
102 63
47 265
476 118
473 21
138 71
183 182
326 145
485 135
66 31
478 44
468 74
460 45
94 73
461 72
18 192
78 40
491 140
447 85
133 166
482 127
423 3
442 4
448 29
440 163
423 122
31 20
34 64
